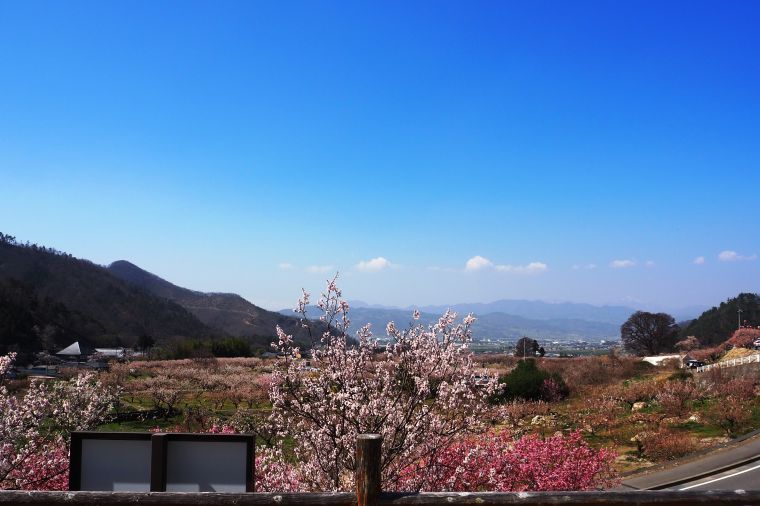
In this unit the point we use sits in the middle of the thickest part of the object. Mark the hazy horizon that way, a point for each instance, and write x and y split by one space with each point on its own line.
601 153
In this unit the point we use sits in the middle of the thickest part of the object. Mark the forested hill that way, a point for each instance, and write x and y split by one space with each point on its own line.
48 299
226 311
716 325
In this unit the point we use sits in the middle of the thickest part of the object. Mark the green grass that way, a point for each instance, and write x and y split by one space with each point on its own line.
139 426
699 430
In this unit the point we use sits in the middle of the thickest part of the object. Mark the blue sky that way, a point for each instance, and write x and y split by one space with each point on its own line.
258 147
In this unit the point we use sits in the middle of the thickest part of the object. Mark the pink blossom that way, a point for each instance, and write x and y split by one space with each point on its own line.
419 393
35 426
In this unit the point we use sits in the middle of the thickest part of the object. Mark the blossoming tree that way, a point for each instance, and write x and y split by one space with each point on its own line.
35 427
418 391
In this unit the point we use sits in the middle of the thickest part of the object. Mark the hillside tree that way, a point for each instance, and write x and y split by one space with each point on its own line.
526 347
649 333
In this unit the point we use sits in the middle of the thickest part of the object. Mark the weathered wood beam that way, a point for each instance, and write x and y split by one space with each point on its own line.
367 477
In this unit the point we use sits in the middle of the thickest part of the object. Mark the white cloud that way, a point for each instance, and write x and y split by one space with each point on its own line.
285 266
531 268
622 264
649 263
315 269
698 261
376 264
476 263
733 256
587 267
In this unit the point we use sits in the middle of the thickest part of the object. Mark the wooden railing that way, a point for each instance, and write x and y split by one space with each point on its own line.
368 493
659 498
730 363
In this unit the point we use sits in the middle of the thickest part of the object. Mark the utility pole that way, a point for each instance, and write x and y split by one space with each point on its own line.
739 312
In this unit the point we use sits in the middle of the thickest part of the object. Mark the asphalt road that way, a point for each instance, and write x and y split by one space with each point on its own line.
745 478
735 466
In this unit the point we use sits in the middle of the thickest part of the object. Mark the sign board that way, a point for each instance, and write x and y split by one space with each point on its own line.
118 462
171 462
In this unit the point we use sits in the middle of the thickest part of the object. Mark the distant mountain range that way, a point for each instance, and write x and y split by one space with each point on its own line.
493 325
508 319
534 309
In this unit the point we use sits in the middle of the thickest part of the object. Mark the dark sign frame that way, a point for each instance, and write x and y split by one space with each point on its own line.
75 454
159 443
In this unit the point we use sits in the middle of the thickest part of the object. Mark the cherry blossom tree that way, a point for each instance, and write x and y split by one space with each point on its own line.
418 391
688 344
35 427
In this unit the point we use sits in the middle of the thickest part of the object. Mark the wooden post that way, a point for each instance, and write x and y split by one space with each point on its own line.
367 476
158 462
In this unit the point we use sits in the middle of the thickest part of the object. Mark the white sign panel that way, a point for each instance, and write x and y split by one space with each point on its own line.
206 466
115 465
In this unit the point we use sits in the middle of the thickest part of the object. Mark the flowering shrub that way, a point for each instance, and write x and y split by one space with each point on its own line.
530 383
497 462
554 389
743 337
741 388
419 393
636 391
274 473
167 384
581 373
515 413
675 397
47 469
707 354
35 428
599 412
729 413
665 444
688 344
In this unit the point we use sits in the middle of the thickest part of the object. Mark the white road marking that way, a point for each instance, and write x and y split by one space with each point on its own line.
721 478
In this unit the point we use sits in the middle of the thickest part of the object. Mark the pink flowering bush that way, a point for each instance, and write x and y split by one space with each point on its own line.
708 354
676 397
688 344
47 469
729 413
497 462
743 337
35 427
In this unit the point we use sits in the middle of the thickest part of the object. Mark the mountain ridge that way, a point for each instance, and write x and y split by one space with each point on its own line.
228 312
498 326
88 302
